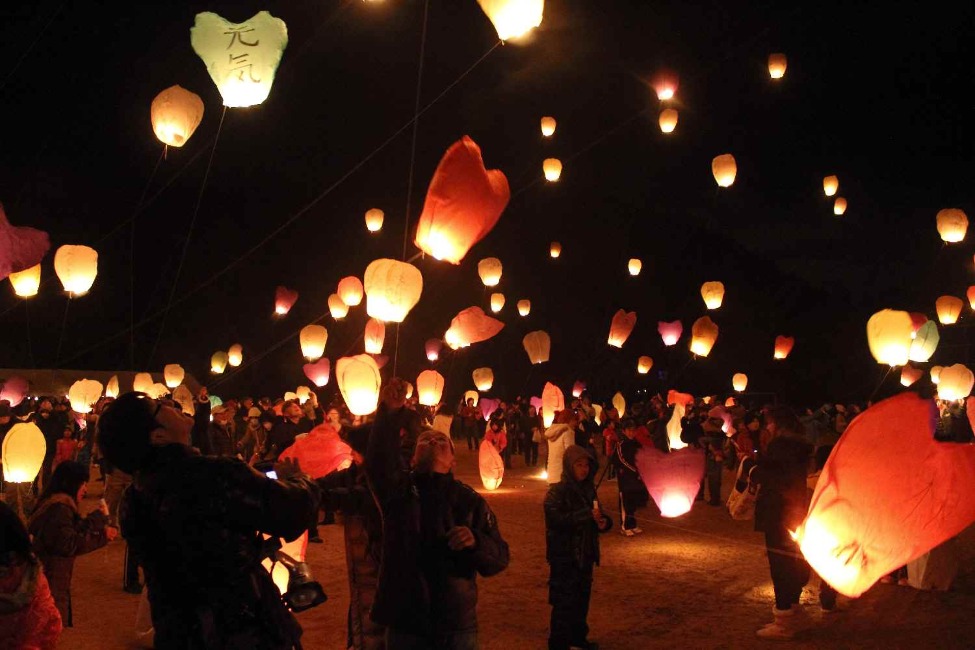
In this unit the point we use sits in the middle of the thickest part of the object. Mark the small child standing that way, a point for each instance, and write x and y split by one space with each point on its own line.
67 448
633 493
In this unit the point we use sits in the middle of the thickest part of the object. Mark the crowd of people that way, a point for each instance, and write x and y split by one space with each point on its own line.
188 486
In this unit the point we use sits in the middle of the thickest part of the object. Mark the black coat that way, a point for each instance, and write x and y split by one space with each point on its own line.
193 523
627 475
783 498
571 533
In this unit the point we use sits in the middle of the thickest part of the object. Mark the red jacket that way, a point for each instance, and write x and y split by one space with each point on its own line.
28 617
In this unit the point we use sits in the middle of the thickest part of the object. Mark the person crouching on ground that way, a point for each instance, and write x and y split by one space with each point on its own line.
573 520
438 534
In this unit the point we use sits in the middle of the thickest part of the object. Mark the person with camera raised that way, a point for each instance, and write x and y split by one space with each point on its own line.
195 524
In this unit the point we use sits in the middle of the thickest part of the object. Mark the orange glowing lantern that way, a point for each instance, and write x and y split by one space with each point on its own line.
173 375
839 206
667 120
548 126
235 355
538 345
491 466
665 83
524 307
175 113
955 382
783 347
936 374
429 386
949 309
83 393
553 401
621 327
830 185
112 387
739 382
513 18
910 374
432 349
337 307
142 382
350 290
374 219
777 64
619 403
483 379
634 266
375 336
672 479
555 250
490 271
26 283
472 395
670 332
703 335
312 339
318 372
725 169
284 300
952 225
578 388
392 289
497 302
359 380
713 294
889 336
463 203
76 267
218 363
22 453
644 364
471 326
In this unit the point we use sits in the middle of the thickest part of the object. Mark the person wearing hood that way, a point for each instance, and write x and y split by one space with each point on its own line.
573 521
560 436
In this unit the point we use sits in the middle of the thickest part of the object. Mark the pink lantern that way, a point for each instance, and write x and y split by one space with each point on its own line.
432 348
318 372
578 389
670 332
673 479
488 406
14 390
284 300
320 452
21 247
491 465
536 402
665 83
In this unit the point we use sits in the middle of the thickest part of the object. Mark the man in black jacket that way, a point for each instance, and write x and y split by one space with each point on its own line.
284 432
573 521
195 523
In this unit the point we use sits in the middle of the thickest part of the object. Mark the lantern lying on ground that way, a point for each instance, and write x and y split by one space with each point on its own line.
513 18
554 250
910 374
524 307
888 494
552 168
320 452
538 345
429 386
23 453
553 401
724 168
463 203
218 363
548 126
490 271
673 479
830 185
483 379
949 309
955 382
284 300
175 113
27 282
925 342
374 336
235 355
644 364
337 307
112 387
318 372
621 327
432 348
634 266
713 294
359 380
83 393
240 57
783 346
497 302
76 267
350 290
619 403
665 83
374 219
173 375
667 120
703 335
392 289
142 382
777 64
21 247
491 466
889 336
739 382
312 339
670 332
578 388
952 225
471 326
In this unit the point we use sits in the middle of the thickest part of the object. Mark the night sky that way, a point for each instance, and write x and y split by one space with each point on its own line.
880 97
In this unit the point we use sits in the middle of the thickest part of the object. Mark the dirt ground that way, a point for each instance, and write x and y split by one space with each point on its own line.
698 581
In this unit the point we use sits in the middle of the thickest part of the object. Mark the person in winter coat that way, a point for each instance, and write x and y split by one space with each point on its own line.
496 435
220 436
573 521
61 534
67 447
195 523
532 426
438 535
28 615
780 508
283 434
560 436
633 493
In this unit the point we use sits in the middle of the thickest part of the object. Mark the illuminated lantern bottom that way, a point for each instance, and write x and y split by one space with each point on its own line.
673 479
491 465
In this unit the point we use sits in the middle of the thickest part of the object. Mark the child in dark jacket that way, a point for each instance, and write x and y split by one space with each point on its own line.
633 493
573 520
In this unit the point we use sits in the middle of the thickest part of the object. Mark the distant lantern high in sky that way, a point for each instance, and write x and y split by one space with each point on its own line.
76 267
670 332
513 18
552 168
497 302
668 120
392 289
312 339
524 307
350 290
555 249
952 225
777 64
949 309
374 220
621 327
634 266
284 300
704 333
175 113
337 307
889 336
548 126
665 83
830 185
713 294
839 206
490 271
725 169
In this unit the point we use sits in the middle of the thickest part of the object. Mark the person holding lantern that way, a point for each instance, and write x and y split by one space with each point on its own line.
195 523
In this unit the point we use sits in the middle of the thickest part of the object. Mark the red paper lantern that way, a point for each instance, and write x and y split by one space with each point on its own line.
783 346
284 300
432 348
320 452
673 479
578 388
21 247
621 327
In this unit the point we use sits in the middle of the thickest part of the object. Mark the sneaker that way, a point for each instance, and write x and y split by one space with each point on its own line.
627 532
637 530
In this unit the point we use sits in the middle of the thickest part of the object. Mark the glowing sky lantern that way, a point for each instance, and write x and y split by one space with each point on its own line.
889 336
175 113
634 266
83 393
409 390
490 271
910 374
970 294
491 466
142 382
218 363
112 387
936 374
319 372
14 389
777 64
888 494
783 346
643 365
674 428
21 247
670 332
952 225
359 380
949 309
524 307
538 346
463 203
672 479
513 18
483 379
548 126
321 452
240 57
432 349
374 336
497 302
235 355
429 387
26 283
472 395
925 342
955 382
619 403
917 319
704 333
392 289
471 326
157 391
173 375
312 339
76 267
337 307
739 382
554 250
553 401
713 294
667 120
284 300
724 169
830 185
22 453
350 290
552 168
598 413
621 327
665 83
839 206
374 219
